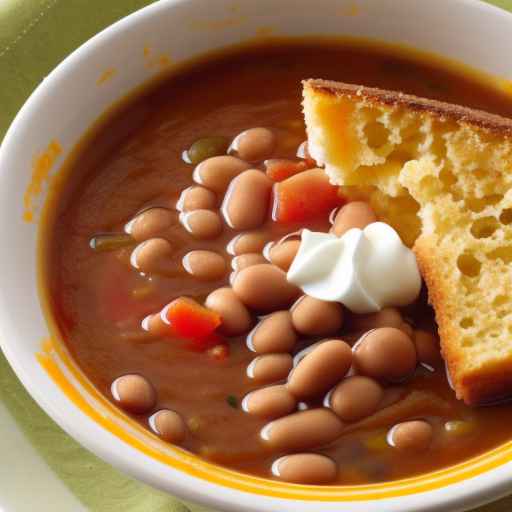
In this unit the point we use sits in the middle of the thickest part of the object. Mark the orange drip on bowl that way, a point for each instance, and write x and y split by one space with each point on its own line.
57 363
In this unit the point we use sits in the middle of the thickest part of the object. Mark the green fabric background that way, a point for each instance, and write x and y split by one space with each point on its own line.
35 35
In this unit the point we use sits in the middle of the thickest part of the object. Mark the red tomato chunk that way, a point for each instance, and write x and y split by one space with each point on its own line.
190 320
305 196
279 169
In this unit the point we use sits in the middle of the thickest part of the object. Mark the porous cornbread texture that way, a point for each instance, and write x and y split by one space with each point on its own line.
440 174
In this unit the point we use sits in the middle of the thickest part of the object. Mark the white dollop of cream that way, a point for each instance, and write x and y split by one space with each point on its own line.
365 269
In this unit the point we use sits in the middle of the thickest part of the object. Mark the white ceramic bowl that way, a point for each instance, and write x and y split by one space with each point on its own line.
71 98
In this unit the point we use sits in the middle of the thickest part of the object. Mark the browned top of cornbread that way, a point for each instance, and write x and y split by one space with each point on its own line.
478 118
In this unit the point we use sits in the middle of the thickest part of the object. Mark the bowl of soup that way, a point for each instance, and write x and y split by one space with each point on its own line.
154 190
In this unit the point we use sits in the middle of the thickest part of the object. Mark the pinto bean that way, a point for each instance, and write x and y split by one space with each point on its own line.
255 144
314 317
154 256
249 242
284 253
386 353
305 468
247 260
155 325
196 198
355 397
274 333
134 393
302 430
169 425
150 223
216 173
411 436
270 402
236 319
205 265
320 369
355 214
270 367
247 200
202 224
264 288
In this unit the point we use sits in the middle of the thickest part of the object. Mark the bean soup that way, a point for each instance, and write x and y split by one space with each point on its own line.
166 262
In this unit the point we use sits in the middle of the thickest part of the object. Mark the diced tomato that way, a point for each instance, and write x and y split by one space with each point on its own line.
190 320
192 323
219 352
278 169
305 196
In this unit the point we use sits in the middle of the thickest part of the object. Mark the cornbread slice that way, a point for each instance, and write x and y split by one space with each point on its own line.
442 176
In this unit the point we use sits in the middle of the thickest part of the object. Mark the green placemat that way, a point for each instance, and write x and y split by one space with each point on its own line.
35 35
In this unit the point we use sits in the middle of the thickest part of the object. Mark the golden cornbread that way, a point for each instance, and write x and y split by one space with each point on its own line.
441 174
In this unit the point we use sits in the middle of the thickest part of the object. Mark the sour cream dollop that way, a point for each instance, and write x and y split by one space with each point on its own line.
365 269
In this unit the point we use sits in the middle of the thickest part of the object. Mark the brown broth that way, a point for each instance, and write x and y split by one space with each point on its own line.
135 161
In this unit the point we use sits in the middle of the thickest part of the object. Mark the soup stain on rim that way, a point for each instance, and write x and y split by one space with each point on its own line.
41 176
106 76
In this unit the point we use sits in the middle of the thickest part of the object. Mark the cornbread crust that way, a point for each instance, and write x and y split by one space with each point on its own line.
489 384
478 118
453 189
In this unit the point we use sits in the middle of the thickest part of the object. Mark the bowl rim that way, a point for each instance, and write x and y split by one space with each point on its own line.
478 493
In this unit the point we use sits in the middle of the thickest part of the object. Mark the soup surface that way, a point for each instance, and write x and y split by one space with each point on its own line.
140 160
